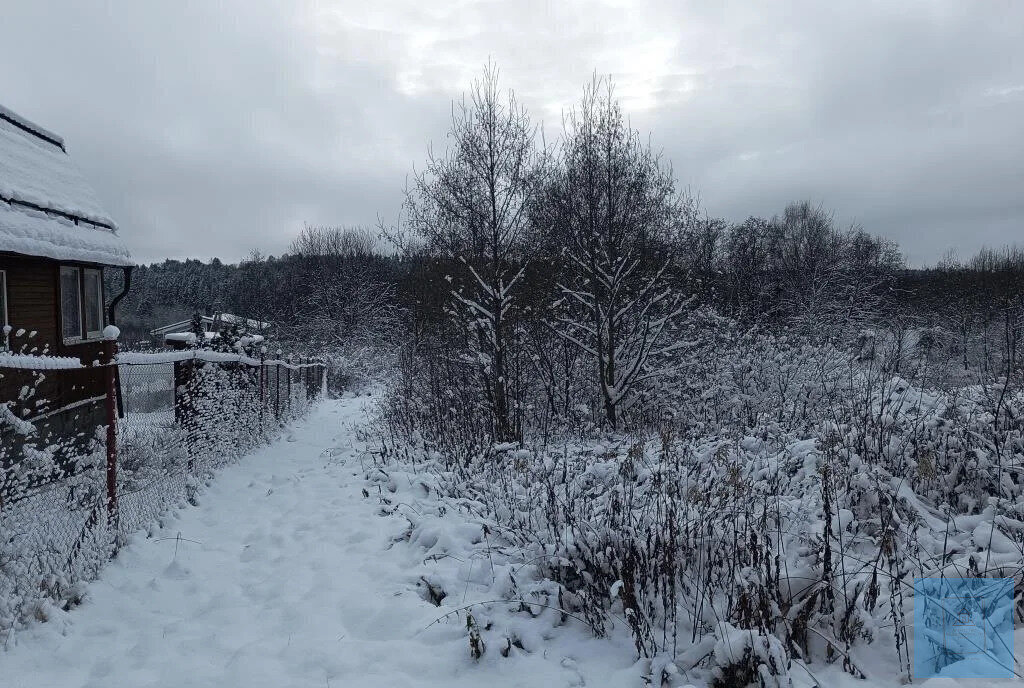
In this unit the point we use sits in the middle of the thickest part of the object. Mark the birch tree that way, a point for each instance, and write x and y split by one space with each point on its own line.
611 204
470 205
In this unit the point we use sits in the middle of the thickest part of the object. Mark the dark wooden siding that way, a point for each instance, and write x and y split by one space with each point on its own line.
32 302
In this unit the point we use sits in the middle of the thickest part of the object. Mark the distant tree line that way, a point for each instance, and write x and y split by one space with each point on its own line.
742 269
795 269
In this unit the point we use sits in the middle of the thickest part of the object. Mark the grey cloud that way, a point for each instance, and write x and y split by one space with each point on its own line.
213 128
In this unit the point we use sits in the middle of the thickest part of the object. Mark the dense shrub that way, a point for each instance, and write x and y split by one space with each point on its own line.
770 489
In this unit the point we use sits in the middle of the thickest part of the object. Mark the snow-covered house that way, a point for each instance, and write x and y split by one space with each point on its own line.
55 241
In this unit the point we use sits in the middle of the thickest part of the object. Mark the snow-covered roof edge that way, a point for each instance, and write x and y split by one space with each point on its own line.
31 127
34 233
47 208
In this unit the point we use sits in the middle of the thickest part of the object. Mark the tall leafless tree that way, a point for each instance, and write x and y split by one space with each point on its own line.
470 205
612 205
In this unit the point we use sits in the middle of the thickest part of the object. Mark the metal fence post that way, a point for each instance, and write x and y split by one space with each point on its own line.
288 387
263 385
110 378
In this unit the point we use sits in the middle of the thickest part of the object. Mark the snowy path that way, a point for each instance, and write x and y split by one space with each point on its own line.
282 577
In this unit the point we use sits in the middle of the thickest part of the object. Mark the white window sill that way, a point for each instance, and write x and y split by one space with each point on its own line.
72 341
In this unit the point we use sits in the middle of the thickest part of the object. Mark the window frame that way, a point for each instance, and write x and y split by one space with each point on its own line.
97 333
80 337
84 333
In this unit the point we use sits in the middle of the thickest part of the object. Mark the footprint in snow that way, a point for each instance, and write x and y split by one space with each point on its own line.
576 677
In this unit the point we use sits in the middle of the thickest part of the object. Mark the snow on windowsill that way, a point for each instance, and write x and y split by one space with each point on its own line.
92 338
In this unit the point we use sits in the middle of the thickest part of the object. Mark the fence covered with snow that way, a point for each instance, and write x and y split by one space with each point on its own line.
67 503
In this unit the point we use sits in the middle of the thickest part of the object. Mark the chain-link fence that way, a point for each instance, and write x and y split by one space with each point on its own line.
66 504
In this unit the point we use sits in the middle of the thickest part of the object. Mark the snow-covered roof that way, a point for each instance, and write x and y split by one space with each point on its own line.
46 207
190 337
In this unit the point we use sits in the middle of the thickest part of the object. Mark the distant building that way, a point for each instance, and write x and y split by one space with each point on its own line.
180 334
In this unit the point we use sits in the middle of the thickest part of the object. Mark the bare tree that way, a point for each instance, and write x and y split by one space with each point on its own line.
340 242
346 313
470 205
612 205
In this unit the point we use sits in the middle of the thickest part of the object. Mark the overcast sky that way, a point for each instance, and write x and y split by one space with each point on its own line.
212 128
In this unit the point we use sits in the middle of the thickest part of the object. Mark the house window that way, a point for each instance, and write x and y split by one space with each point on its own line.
71 302
93 283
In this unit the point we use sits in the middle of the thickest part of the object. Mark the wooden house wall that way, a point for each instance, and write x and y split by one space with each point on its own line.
32 301
33 296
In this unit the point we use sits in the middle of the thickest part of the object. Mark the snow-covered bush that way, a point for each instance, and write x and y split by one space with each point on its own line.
771 491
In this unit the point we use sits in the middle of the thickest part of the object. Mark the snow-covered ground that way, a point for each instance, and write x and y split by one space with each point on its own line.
285 575
295 570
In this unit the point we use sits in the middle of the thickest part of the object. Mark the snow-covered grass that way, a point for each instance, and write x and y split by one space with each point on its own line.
788 494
